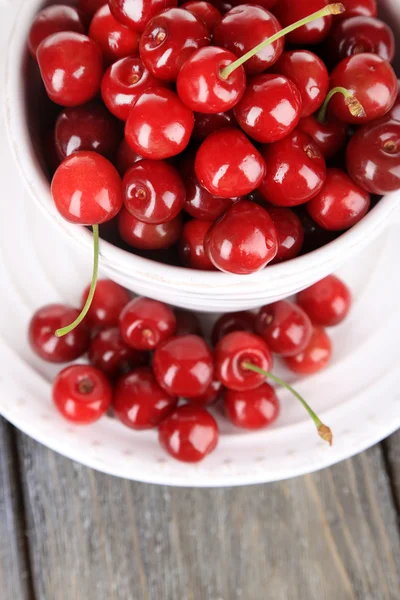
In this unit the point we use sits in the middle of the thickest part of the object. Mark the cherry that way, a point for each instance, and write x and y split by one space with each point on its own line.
330 136
145 323
314 236
183 366
309 74
126 157
394 112
366 8
147 236
189 434
296 170
290 233
206 124
285 327
269 109
314 357
245 26
82 394
340 204
252 409
137 13
191 245
264 3
88 8
243 240
43 339
123 83
114 40
139 402
228 165
109 353
87 127
169 39
205 11
163 135
361 34
53 19
153 191
108 301
210 396
373 157
315 31
327 302
228 322
71 66
187 322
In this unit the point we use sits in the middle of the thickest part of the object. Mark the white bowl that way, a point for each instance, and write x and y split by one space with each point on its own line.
208 291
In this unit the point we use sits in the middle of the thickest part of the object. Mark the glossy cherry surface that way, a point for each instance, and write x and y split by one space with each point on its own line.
206 124
210 396
228 322
366 8
86 189
184 366
148 236
269 109
191 245
187 322
290 233
189 434
126 157
244 240
53 19
264 3
361 34
71 66
109 353
43 325
289 12
88 7
159 125
137 13
315 357
114 40
145 323
228 165
82 394
327 302
252 409
206 11
296 170
330 136
340 204
108 301
285 327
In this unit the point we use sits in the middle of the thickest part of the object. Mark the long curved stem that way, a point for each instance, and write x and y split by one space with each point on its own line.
354 105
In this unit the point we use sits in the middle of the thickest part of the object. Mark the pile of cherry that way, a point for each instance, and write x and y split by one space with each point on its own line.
151 366
234 162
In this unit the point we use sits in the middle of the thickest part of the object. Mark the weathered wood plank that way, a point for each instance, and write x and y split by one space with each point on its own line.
392 451
329 536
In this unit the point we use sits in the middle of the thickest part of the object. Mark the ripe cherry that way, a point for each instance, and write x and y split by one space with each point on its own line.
264 3
285 327
210 396
314 357
148 236
204 124
206 11
109 353
244 240
361 34
71 66
315 31
366 8
330 136
228 322
252 409
145 323
189 434
135 14
126 157
108 301
53 19
191 245
88 7
183 366
82 394
187 322
340 204
42 334
327 302
290 233
114 40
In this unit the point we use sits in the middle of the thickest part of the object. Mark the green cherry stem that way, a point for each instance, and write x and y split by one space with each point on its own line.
332 9
323 431
354 105
85 309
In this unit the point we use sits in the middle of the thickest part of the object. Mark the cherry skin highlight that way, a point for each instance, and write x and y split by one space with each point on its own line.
290 233
315 357
53 19
252 409
330 136
210 396
289 12
285 328
109 353
327 302
114 40
148 236
361 34
191 245
135 14
108 301
145 323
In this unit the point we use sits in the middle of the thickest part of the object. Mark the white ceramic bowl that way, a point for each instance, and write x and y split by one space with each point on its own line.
208 291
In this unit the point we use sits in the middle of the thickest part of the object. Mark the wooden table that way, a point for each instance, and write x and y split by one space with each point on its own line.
69 533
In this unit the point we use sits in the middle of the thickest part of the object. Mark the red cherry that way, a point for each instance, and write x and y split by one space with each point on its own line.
71 66
108 301
210 396
82 394
86 189
233 351
394 112
145 323
310 76
205 11
289 12
201 86
114 40
169 39
330 136
315 357
228 165
327 302
285 327
139 402
371 79
189 434
43 340
296 170
88 7
204 124
238 321
187 322
243 28
314 236
340 204
137 13
183 366
252 409
153 191
191 245
290 233
123 83
147 236
366 8
361 34
87 127
162 136
109 353
53 19
126 157
264 3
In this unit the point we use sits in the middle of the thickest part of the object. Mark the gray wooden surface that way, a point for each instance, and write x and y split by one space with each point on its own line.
69 533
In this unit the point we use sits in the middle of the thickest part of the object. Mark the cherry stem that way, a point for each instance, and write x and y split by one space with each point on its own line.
323 431
332 9
85 309
354 105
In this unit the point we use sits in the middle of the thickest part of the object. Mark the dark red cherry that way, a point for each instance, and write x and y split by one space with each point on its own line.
315 357
53 19
394 112
187 322
88 7
290 233
126 157
205 11
243 28
108 301
330 136
210 396
252 409
50 154
228 322
327 302
191 245
366 8
314 236
204 124
145 323
361 34
289 12
228 165
114 40
244 240
264 3
137 13
285 327
340 204
159 125
109 353
148 236
296 170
